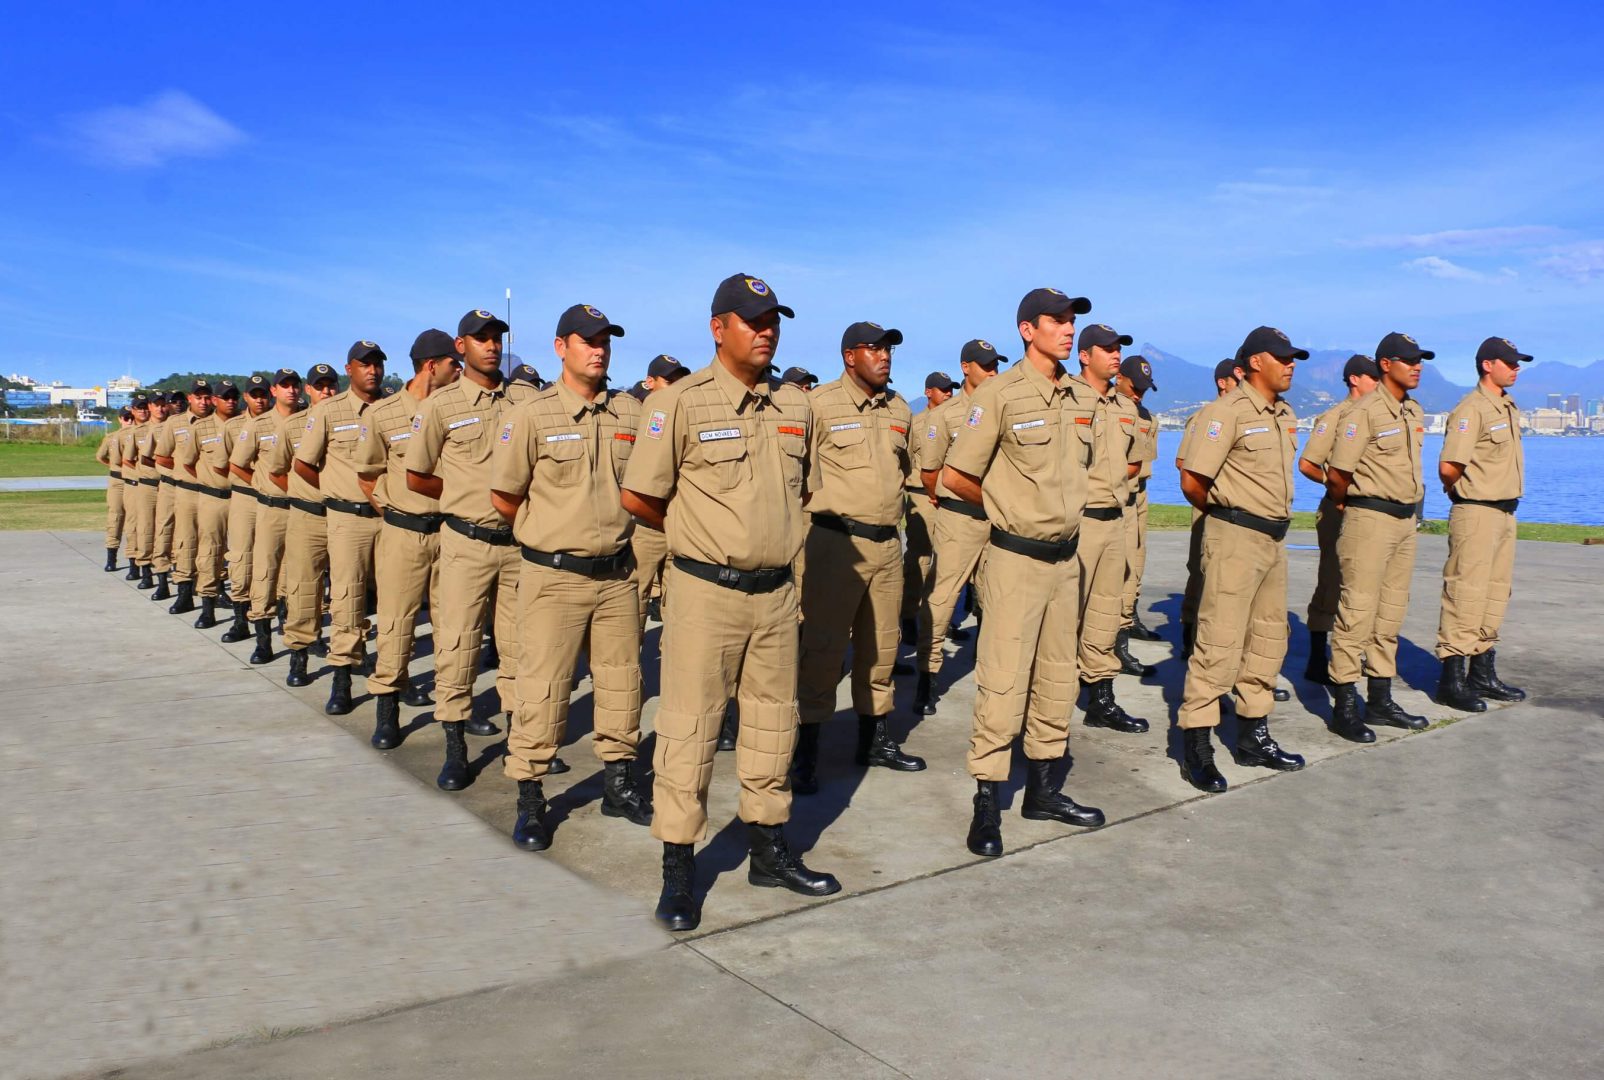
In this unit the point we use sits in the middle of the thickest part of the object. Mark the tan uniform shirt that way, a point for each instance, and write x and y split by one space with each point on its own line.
232 428
1380 444
859 445
731 462
252 444
172 433
331 432
381 450
454 432
942 425
565 457
1144 440
107 449
207 451
1484 437
281 454
1247 445
1317 448
1111 419
1023 440
145 444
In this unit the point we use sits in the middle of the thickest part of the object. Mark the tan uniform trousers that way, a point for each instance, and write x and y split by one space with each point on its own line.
1476 579
472 573
186 526
719 643
918 554
1026 676
241 538
116 515
1194 570
142 517
211 541
1241 625
853 596
161 542
1135 558
267 560
404 572
1328 576
306 560
352 540
1376 553
561 614
1102 584
651 552
960 545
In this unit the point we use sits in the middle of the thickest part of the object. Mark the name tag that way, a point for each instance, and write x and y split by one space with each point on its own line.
1254 430
455 424
846 427
1389 431
567 436
1497 427
346 427
1028 424
721 433
400 435
267 438
212 439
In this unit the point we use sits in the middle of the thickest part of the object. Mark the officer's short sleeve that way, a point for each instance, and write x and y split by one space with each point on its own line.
971 452
276 458
428 436
1464 428
188 451
512 459
932 438
164 442
244 448
654 465
1213 432
1351 439
369 455
316 439
103 451
1317 447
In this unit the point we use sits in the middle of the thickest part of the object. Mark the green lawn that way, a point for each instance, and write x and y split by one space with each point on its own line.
57 511
1180 517
49 459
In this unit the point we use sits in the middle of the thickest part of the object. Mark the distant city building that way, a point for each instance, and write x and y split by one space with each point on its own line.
1556 401
1436 422
1549 421
1572 403
85 397
23 379
1595 407
125 383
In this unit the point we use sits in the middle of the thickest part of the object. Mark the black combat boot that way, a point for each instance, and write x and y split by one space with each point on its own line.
1281 694
529 831
416 696
1188 637
1197 761
1345 717
240 628
1128 664
490 656
162 591
557 766
772 866
1254 746
957 633
676 905
1103 711
805 762
208 616
111 559
454 775
264 642
145 581
1484 680
877 748
481 725
339 693
1454 691
985 828
728 729
621 797
1380 708
924 695
387 725
1043 801
133 571
654 610
1139 630
1318 670
297 675
185 603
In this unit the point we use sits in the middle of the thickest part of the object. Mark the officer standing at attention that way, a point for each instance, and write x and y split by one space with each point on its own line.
142 478
564 452
1238 471
859 470
920 510
306 535
406 561
958 535
1021 455
1360 376
525 374
722 466
249 460
1374 478
448 459
649 544
242 505
1136 379
203 471
1483 469
164 412
186 496
1227 376
801 378
109 454
326 459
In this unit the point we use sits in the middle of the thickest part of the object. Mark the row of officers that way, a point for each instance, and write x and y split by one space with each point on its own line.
769 517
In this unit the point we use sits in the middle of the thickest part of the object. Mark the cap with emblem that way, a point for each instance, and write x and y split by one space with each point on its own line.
1226 369
1497 348
1039 302
527 374
159 398
1139 371
286 375
319 372
664 366
799 377
1268 339
939 380
479 321
748 297
638 391
1396 346
1101 335
225 387
434 345
255 382
367 351
587 322
139 401
868 333
981 352
1360 364
200 386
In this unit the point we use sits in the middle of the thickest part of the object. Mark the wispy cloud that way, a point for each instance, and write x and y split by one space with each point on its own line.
170 125
1261 191
1580 263
1438 267
1491 239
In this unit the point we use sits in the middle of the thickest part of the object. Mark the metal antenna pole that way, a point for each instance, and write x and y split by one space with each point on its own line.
507 355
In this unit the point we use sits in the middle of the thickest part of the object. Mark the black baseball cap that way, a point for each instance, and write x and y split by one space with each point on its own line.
869 333
638 391
1360 364
226 387
125 414
478 321
200 386
139 401
319 372
365 350
664 366
255 383
159 398
798 376
525 373
1396 346
587 322
1038 302
982 352
939 380
1101 334
1269 339
1139 371
434 344
748 297
1226 369
286 375
1498 348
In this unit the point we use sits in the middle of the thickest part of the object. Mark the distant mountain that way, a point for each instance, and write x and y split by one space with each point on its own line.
1543 377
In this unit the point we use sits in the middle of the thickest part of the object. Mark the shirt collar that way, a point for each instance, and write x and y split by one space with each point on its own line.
1258 399
576 406
1044 386
1110 396
1501 399
480 393
736 391
861 399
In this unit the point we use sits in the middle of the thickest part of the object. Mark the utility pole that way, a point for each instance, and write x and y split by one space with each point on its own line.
506 353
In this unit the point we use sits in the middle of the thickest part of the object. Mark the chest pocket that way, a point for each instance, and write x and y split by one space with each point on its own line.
1258 440
1500 437
467 435
793 459
1032 447
849 448
562 463
622 444
1390 441
728 463
345 435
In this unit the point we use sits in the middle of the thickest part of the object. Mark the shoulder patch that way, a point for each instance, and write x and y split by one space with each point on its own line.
417 422
1320 428
931 434
506 431
1350 431
1464 424
1213 432
654 425
974 416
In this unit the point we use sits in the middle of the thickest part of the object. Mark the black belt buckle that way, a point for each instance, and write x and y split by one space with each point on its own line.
1103 513
739 580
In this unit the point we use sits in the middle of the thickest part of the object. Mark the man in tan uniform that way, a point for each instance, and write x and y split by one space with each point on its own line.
860 468
186 495
1227 376
959 533
142 486
649 544
306 535
202 470
1483 470
722 465
448 459
109 454
1374 478
406 562
918 546
1022 455
242 504
1238 471
250 460
562 454
1135 380
165 415
1360 375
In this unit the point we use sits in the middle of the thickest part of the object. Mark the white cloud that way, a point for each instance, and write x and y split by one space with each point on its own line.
1260 191
170 125
1438 267
1580 263
1505 236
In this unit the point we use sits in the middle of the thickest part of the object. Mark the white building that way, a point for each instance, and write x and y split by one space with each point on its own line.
92 397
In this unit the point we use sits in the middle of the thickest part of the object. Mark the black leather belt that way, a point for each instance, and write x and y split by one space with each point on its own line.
315 509
1141 484
597 567
917 491
958 506
277 502
498 537
836 523
1104 513
1274 528
165 480
360 509
216 493
747 581
147 480
188 485
1040 550
1506 505
115 475
249 493
1385 506
428 524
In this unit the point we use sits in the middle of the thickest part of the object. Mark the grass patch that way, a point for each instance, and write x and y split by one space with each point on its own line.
56 511
49 459
1160 516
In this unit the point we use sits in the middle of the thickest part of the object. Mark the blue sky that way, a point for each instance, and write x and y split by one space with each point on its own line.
222 190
